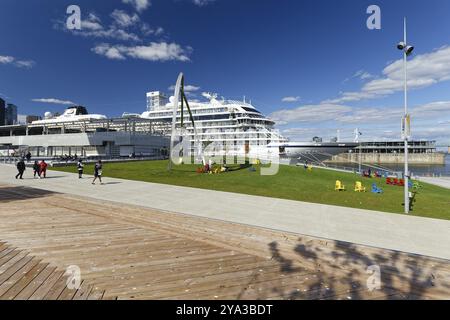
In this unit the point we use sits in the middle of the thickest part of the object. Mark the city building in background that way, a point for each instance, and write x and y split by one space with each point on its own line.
2 112
11 114
30 119
21 119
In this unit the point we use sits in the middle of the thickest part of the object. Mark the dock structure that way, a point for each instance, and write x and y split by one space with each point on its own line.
392 152
131 252
114 138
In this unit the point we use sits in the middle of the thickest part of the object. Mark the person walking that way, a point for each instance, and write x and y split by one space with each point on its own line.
98 171
36 169
80 167
21 168
43 166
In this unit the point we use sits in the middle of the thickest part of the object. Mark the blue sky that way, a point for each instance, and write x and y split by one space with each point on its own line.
313 66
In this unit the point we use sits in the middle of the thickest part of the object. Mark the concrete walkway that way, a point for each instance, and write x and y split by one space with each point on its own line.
441 182
416 235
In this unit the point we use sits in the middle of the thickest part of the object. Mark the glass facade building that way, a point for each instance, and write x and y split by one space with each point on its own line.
11 115
2 112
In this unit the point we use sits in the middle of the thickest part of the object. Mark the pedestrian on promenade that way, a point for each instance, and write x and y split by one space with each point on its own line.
43 166
98 171
28 156
80 167
21 168
37 169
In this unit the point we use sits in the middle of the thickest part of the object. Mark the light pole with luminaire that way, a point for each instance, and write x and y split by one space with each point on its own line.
407 51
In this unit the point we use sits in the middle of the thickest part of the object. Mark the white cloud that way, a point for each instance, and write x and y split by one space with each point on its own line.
106 50
363 75
429 121
53 101
6 59
28 64
118 29
202 3
433 109
159 31
371 115
92 23
423 71
309 132
311 113
360 115
139 5
147 30
123 19
187 88
430 111
161 51
290 99
92 27
113 33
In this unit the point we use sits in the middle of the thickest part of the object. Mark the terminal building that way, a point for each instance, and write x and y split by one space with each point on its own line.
90 138
392 152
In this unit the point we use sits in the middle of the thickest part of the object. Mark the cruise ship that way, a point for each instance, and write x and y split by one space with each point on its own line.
72 114
237 128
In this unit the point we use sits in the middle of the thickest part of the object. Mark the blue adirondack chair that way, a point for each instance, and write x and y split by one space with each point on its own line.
375 189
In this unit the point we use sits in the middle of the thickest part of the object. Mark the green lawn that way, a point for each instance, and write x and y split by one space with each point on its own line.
292 183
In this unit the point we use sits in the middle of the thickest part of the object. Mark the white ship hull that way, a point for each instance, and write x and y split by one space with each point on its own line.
237 129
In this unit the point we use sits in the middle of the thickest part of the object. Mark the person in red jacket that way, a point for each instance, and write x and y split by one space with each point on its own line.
43 166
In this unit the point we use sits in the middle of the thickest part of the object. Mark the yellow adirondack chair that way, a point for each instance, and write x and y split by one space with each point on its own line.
359 187
339 186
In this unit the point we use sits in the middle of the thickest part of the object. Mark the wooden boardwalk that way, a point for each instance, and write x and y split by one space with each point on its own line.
135 253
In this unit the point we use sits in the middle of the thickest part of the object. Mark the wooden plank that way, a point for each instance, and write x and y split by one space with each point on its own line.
14 268
16 257
83 293
23 282
9 254
18 275
45 288
3 246
96 294
68 294
57 289
36 283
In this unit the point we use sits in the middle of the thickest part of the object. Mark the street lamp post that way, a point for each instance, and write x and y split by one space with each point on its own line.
407 51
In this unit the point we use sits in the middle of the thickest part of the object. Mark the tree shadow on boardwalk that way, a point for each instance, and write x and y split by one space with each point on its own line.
17 193
339 270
